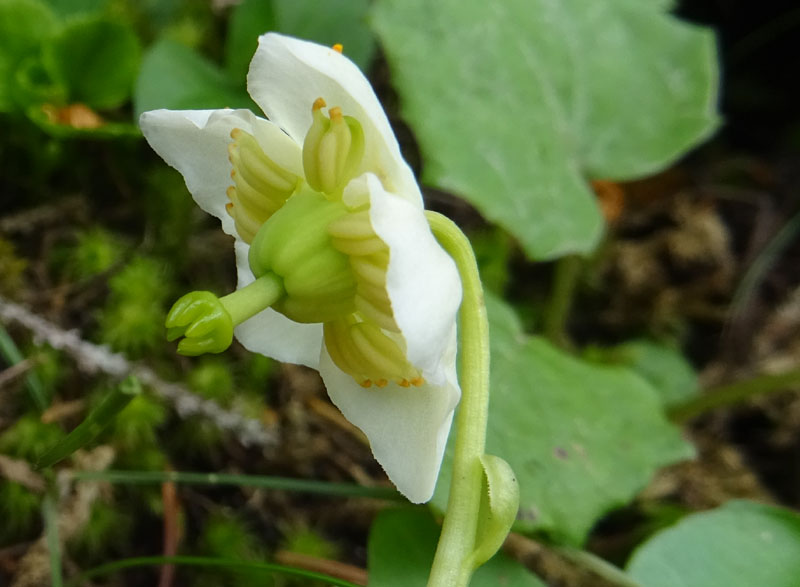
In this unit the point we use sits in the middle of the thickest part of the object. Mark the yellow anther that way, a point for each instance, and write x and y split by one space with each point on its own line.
332 150
417 381
366 383
337 47
368 353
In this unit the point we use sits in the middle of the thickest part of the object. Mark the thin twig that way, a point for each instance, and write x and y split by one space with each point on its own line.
93 358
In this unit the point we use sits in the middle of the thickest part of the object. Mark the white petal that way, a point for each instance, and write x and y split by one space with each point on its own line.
407 427
422 279
271 333
195 142
287 75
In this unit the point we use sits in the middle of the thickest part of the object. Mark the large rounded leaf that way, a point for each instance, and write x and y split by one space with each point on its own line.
516 103
742 544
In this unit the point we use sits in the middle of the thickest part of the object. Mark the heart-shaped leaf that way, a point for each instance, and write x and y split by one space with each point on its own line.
516 103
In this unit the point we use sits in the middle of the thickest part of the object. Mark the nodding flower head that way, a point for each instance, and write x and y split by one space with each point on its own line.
337 266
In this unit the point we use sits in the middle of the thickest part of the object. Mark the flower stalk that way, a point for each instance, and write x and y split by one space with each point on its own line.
453 563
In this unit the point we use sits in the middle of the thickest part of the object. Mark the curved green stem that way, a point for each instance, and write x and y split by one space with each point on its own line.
567 273
452 565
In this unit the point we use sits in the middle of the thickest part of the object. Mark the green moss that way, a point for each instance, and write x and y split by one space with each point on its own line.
212 379
96 250
29 437
229 537
107 532
133 319
19 510
11 268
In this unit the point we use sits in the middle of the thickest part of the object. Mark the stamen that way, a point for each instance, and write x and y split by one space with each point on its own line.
358 247
261 185
368 353
380 318
337 47
332 150
370 269
355 225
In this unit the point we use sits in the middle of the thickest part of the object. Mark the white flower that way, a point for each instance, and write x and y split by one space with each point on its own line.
400 331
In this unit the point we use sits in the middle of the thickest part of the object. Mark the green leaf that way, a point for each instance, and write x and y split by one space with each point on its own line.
76 7
173 76
12 355
516 103
741 544
95 59
664 367
400 552
581 438
23 26
248 20
97 420
499 506
331 22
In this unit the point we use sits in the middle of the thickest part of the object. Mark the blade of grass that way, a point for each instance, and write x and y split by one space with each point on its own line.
12 354
199 561
94 424
50 515
263 482
757 272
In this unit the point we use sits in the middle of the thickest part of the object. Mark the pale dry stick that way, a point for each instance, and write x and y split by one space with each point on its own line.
93 358
75 504
15 371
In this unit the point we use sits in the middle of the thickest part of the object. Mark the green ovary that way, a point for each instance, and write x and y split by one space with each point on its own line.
295 245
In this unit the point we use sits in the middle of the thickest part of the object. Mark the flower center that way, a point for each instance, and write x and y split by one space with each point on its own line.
260 188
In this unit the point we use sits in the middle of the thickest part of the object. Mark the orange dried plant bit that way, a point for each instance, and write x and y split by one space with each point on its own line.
611 198
74 115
